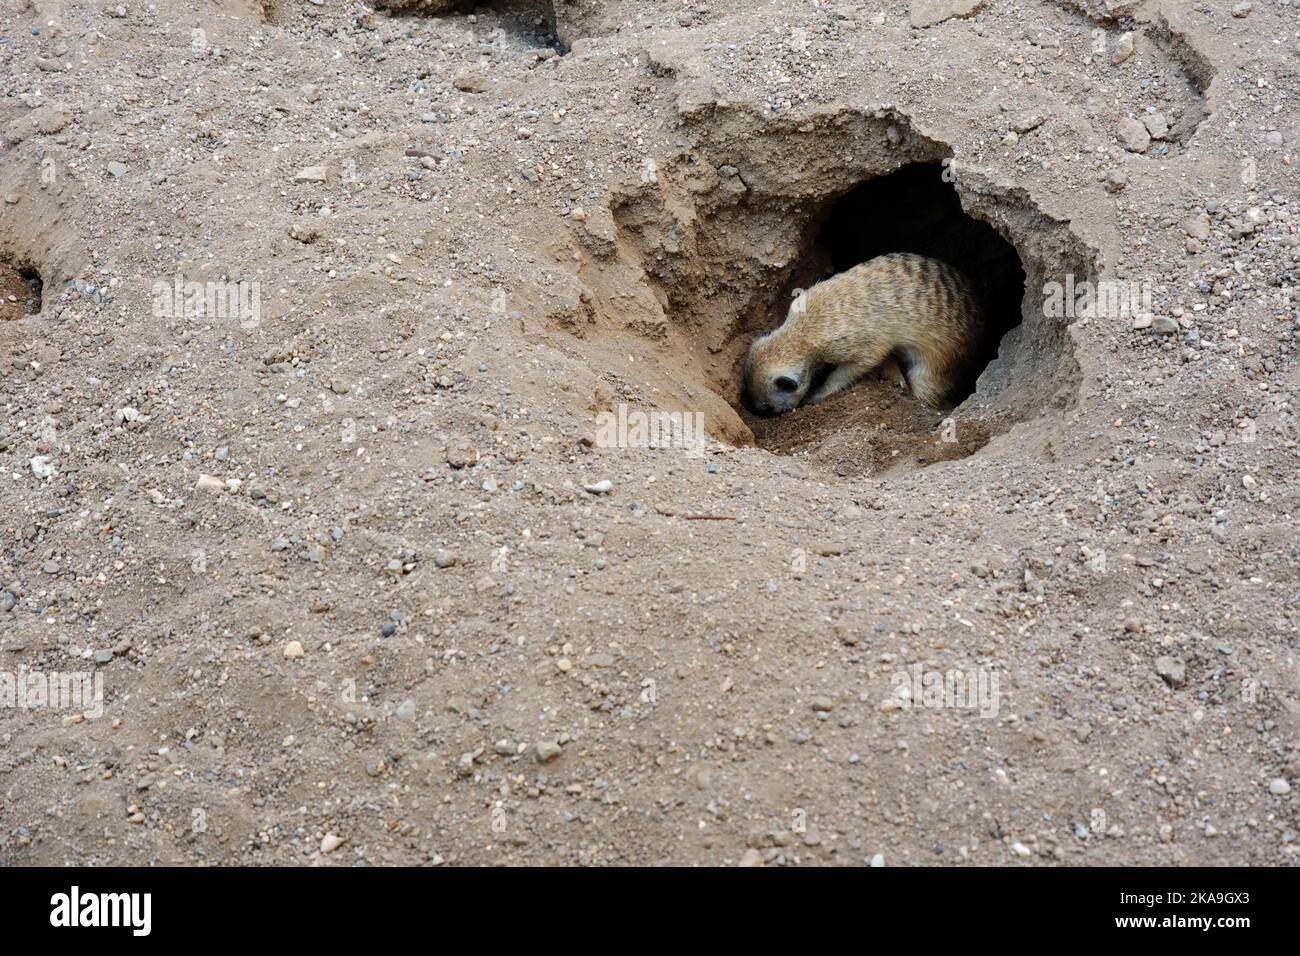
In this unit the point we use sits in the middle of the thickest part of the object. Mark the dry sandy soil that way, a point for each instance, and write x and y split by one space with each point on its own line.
333 552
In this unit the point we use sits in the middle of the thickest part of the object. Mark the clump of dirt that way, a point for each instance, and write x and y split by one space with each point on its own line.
20 291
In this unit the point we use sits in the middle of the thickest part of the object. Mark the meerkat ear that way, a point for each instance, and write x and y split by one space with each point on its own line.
784 383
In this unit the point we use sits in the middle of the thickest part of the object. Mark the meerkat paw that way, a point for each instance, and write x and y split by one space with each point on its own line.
840 378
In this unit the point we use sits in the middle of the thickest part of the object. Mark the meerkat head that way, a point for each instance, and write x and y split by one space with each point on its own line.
778 373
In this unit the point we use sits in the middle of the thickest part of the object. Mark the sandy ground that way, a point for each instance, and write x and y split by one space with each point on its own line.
310 313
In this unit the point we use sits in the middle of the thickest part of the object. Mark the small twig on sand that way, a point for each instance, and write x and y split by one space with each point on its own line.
695 517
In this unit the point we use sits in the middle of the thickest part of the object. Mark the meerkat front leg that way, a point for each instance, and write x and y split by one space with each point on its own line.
840 378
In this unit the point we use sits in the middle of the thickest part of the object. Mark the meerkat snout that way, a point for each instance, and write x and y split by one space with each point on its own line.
919 310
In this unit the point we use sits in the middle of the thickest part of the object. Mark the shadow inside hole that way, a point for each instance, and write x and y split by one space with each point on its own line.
33 280
533 22
916 210
530 23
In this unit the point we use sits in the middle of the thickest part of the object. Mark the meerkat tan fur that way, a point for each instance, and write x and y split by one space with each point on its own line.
918 310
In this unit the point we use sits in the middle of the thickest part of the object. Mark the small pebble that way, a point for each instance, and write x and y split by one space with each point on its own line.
330 843
1173 671
1123 49
210 484
547 750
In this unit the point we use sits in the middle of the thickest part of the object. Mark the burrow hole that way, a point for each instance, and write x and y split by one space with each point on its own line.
21 290
524 23
877 423
531 21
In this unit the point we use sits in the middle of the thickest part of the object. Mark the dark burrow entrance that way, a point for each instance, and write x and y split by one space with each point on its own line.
531 22
21 289
877 422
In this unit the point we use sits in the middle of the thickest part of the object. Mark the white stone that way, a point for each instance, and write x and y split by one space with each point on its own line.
210 484
330 843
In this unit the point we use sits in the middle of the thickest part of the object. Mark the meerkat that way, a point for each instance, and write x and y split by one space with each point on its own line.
918 310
